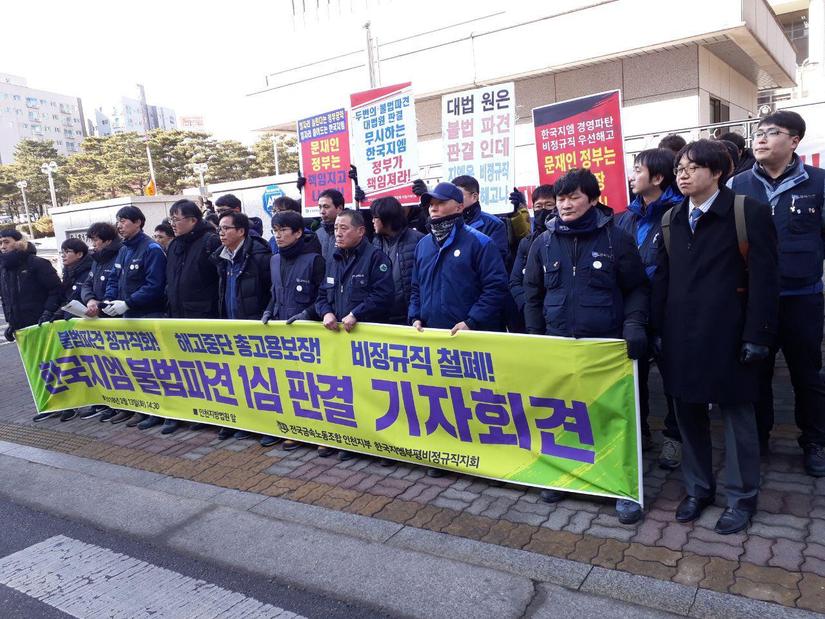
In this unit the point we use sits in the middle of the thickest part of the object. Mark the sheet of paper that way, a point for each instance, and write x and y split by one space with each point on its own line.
75 308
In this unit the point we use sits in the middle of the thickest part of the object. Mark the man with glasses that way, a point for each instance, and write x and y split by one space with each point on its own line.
713 314
137 286
191 278
796 193
243 278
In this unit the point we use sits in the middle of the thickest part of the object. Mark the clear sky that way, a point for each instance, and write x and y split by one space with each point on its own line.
203 58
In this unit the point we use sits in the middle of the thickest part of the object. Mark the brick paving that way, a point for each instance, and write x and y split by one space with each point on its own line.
781 558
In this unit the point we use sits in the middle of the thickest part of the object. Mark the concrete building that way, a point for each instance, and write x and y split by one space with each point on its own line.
126 115
32 114
677 65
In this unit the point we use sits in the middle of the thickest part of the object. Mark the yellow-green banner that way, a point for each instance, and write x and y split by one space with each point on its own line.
541 411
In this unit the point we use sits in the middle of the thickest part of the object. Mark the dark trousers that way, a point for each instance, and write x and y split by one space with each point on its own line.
671 430
741 453
800 339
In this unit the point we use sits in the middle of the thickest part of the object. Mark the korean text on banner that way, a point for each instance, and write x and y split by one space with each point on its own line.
478 136
460 403
584 133
385 142
325 158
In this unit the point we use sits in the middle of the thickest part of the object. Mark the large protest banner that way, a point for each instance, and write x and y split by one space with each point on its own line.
584 133
541 411
385 142
325 158
478 136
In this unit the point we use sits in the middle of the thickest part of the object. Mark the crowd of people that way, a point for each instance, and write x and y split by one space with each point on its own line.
714 267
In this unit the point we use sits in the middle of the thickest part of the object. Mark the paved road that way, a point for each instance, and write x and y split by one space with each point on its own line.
48 562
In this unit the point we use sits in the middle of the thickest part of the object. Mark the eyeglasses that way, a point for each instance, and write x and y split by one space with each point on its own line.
691 169
173 220
225 228
771 133
543 205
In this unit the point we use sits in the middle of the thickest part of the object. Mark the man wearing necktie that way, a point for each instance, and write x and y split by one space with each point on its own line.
714 310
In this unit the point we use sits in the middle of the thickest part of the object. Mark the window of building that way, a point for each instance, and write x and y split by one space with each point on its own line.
17 97
719 111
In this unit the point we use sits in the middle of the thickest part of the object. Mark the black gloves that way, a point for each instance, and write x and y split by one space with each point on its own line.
9 334
419 187
359 194
753 353
301 181
517 199
635 334
302 316
266 317
353 173
45 317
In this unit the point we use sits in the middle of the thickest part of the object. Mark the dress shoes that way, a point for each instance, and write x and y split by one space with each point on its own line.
733 520
691 508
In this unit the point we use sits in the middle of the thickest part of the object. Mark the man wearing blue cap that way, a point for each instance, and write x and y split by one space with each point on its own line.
458 281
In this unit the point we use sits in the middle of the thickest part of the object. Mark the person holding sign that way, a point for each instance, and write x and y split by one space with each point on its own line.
358 284
585 278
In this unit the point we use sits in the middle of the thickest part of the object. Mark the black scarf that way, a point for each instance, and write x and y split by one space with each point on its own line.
292 251
540 218
13 259
330 228
471 212
441 227
583 225
106 254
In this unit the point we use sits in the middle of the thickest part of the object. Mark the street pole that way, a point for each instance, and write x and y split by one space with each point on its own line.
370 58
274 139
151 167
22 186
49 169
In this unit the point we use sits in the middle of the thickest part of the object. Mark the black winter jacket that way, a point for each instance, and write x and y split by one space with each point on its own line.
103 263
73 279
29 287
251 292
191 277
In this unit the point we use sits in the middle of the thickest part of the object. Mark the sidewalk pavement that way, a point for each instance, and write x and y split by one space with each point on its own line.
657 562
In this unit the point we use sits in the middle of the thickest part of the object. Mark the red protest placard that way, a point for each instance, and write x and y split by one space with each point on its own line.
584 133
325 158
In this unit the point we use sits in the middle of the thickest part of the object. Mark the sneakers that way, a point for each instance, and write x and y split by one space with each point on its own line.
291 445
629 512
68 415
671 456
107 414
343 456
324 451
122 416
242 435
225 433
815 460
42 417
94 411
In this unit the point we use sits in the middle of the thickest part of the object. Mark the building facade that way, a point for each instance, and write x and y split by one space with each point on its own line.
32 114
677 65
127 115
